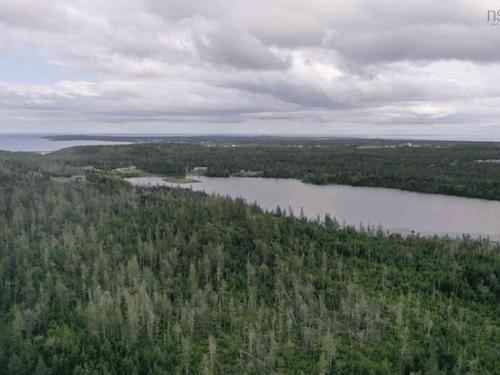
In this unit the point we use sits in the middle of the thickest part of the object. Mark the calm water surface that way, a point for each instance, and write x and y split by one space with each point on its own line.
38 143
395 210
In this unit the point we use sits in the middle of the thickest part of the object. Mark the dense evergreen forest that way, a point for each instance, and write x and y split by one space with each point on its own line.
104 278
454 168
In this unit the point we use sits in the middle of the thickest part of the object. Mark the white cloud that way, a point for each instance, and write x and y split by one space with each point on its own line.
326 66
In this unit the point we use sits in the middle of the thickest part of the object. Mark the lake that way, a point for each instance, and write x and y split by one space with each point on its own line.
395 210
39 143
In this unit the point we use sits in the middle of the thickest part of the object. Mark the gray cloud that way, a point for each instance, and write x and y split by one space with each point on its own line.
328 66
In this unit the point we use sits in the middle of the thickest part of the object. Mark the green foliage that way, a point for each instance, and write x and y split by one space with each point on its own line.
107 279
453 168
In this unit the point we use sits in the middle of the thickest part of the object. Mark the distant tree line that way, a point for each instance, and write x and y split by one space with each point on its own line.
464 169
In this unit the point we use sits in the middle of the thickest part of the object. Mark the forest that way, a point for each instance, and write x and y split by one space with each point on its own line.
105 278
469 169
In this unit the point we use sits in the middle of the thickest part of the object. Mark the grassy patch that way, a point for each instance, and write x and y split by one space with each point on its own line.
180 180
61 179
132 173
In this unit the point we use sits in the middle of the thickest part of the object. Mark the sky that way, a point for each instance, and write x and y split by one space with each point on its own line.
304 67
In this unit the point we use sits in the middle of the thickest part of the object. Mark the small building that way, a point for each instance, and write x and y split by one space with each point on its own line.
91 168
199 170
78 180
126 169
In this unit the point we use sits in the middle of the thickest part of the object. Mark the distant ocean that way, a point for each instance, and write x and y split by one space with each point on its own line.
39 143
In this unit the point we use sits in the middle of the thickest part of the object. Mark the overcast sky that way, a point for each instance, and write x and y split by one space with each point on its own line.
349 67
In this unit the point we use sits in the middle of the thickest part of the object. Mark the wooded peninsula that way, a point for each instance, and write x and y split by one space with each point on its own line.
469 169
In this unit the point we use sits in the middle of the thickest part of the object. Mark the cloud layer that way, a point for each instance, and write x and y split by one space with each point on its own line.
340 67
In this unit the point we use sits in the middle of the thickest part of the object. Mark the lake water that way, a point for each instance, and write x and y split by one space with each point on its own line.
38 143
395 210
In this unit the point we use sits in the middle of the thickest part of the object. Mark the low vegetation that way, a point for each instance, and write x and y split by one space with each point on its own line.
181 180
